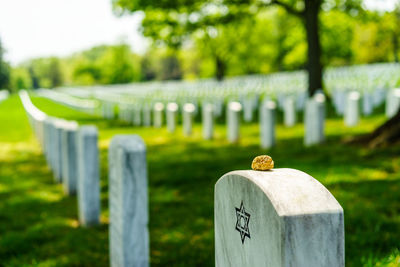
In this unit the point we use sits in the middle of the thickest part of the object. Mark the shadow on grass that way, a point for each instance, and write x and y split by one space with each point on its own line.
39 224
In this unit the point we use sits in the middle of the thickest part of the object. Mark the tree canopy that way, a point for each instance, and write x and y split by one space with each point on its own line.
4 69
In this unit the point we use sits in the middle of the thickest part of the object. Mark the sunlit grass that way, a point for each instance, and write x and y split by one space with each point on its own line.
38 224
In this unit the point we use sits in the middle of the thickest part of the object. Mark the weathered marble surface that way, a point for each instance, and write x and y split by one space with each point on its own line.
146 115
158 114
189 110
233 121
137 116
367 103
352 111
88 176
48 140
314 120
392 102
289 111
172 114
57 153
282 217
248 109
128 202
70 157
208 121
267 124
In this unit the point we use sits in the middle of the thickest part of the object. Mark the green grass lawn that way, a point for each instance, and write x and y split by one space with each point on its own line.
39 227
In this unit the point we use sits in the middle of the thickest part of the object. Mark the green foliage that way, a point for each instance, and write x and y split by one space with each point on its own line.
4 70
105 65
20 79
45 72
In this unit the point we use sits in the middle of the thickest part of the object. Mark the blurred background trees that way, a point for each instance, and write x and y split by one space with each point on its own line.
206 39
4 70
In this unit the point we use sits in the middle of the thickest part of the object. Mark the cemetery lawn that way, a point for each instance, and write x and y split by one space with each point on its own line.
39 227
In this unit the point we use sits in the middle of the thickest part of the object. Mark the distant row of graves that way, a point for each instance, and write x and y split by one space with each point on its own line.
354 91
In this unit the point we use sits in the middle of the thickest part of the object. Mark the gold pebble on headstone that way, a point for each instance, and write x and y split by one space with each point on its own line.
262 163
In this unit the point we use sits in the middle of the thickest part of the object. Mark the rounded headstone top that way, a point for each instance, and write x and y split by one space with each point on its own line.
354 95
291 192
158 106
172 106
88 130
128 142
319 97
235 106
189 107
270 104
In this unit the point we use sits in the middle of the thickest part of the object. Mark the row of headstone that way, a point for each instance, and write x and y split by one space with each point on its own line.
84 105
351 104
258 219
72 154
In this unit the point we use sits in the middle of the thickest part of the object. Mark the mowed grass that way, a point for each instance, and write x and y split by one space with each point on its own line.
39 227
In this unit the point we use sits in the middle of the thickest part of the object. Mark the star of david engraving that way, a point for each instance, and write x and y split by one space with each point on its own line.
242 222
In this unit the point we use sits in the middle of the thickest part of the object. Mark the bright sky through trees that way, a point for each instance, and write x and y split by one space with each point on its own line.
36 28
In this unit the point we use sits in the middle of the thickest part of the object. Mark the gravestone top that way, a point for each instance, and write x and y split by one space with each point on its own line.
159 106
281 217
270 104
354 95
128 142
172 106
235 106
88 130
70 125
189 107
319 97
291 191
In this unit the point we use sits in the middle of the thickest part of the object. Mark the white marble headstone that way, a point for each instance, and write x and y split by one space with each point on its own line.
158 114
188 114
282 217
289 111
267 124
88 176
352 111
208 121
128 202
392 102
70 157
233 121
172 114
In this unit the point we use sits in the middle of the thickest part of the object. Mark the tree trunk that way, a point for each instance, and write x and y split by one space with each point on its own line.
220 68
386 134
395 47
314 66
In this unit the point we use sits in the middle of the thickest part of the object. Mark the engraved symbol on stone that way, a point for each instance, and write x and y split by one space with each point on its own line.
242 222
